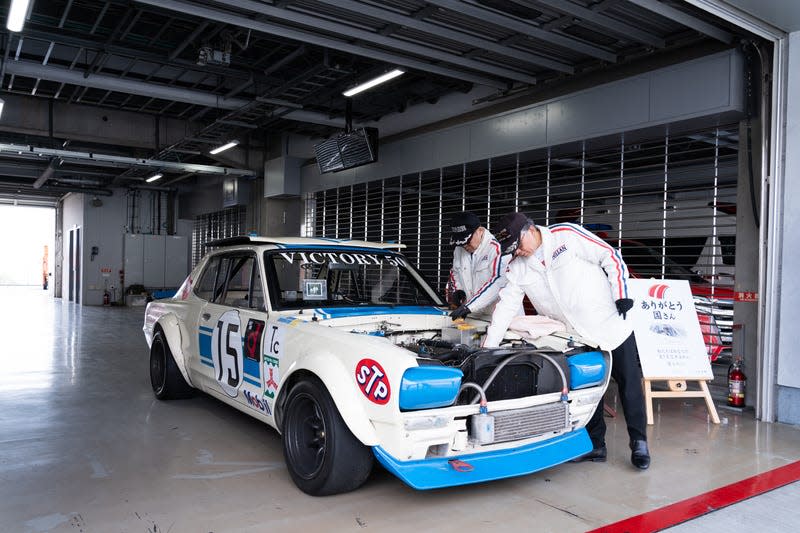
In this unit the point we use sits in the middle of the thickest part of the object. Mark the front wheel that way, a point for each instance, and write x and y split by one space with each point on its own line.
165 377
322 455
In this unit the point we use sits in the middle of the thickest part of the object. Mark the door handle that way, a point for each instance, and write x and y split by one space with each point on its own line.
206 316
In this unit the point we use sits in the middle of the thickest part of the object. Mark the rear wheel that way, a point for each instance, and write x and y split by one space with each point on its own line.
322 455
166 379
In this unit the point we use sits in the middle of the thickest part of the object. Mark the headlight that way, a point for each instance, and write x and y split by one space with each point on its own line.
425 387
586 369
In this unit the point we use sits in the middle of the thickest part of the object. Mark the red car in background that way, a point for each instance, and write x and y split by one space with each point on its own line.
714 303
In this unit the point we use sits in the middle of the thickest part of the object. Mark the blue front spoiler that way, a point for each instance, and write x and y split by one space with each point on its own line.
440 472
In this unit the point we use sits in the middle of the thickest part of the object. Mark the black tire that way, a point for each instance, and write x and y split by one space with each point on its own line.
322 455
166 379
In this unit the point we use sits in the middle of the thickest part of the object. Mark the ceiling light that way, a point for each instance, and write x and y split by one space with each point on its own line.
224 147
372 83
154 177
17 14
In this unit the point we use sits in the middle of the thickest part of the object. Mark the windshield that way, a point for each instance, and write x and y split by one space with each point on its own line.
307 278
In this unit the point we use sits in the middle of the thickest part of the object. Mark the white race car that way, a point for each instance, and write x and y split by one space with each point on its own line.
345 349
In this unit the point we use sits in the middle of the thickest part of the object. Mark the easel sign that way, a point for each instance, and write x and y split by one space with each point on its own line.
670 343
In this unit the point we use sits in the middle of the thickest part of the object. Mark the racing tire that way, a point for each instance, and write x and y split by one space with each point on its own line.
166 379
322 455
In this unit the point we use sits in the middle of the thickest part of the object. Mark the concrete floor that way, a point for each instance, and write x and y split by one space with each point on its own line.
85 447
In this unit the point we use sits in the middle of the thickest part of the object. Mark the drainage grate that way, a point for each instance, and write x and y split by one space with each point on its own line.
522 423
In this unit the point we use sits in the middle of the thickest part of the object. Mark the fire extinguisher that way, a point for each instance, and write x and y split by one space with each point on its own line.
105 298
736 384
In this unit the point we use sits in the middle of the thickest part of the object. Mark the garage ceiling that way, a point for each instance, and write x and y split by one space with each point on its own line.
248 69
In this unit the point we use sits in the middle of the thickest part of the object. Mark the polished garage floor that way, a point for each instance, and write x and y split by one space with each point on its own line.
84 447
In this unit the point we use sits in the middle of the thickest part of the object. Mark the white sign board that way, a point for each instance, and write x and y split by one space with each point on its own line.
667 331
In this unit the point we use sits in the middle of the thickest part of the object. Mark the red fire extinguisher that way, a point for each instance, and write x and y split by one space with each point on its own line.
105 298
736 384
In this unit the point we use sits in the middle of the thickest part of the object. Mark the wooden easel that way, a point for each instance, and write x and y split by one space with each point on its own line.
678 389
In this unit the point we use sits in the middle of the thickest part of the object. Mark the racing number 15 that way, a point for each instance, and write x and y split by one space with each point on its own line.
231 362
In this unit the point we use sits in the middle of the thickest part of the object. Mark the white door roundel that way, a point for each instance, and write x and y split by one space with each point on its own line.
226 351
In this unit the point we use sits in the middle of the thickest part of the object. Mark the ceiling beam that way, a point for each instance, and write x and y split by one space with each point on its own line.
525 28
117 160
112 83
136 53
441 31
353 32
685 18
620 29
319 40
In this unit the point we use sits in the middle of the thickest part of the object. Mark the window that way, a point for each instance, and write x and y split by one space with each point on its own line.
343 277
244 284
243 288
205 287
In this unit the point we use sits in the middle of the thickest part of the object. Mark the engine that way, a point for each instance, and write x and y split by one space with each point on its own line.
503 373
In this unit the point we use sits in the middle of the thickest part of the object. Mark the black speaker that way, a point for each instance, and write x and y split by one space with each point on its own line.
347 150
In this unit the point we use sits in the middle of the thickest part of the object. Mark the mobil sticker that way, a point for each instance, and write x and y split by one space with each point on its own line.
373 381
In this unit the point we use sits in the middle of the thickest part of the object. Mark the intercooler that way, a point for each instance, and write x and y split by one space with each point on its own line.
517 424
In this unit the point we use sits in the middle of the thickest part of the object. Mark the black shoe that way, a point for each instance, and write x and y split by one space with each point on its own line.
597 455
640 455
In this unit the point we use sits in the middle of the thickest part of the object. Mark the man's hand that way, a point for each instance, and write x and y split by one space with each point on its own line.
461 312
458 298
623 306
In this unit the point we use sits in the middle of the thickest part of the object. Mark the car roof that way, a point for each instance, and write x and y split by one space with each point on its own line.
302 241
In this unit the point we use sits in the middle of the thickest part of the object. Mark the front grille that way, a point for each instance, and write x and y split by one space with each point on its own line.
530 421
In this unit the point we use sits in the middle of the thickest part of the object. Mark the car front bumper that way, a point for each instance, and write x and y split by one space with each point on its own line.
438 472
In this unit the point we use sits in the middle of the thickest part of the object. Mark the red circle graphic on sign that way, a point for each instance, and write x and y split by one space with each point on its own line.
373 381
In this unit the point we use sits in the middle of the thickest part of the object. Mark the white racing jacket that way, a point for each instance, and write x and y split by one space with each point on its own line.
578 284
479 274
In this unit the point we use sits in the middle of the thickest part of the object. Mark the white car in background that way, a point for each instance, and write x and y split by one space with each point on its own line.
344 349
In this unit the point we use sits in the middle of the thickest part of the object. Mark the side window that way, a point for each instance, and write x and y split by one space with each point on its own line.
205 287
244 288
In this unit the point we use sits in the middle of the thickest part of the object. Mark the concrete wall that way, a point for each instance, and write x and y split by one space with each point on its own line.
704 87
104 227
788 378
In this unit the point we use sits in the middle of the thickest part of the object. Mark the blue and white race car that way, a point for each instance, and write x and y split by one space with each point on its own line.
349 354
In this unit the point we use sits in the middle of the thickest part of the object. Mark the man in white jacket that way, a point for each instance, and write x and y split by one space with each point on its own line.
573 276
478 266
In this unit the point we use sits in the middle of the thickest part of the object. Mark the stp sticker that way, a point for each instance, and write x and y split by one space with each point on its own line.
372 381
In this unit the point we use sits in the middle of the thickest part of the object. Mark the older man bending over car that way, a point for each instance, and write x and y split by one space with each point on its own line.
573 276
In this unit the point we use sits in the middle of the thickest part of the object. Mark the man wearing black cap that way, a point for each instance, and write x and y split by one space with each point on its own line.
478 267
572 275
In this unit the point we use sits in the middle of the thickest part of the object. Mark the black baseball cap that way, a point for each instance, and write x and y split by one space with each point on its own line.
463 225
508 231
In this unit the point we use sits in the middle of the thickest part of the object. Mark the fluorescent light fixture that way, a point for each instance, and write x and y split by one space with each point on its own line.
17 14
154 177
224 147
372 83
2 104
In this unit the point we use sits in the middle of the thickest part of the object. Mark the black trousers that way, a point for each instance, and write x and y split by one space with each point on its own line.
626 372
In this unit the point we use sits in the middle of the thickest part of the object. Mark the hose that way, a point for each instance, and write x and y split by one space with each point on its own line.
471 385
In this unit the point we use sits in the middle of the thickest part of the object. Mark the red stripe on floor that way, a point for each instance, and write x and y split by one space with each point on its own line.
705 503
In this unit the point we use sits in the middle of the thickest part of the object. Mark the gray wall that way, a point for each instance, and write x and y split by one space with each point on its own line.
711 85
789 311
783 14
103 227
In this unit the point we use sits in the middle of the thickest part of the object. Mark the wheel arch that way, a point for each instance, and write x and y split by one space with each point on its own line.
168 324
348 403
